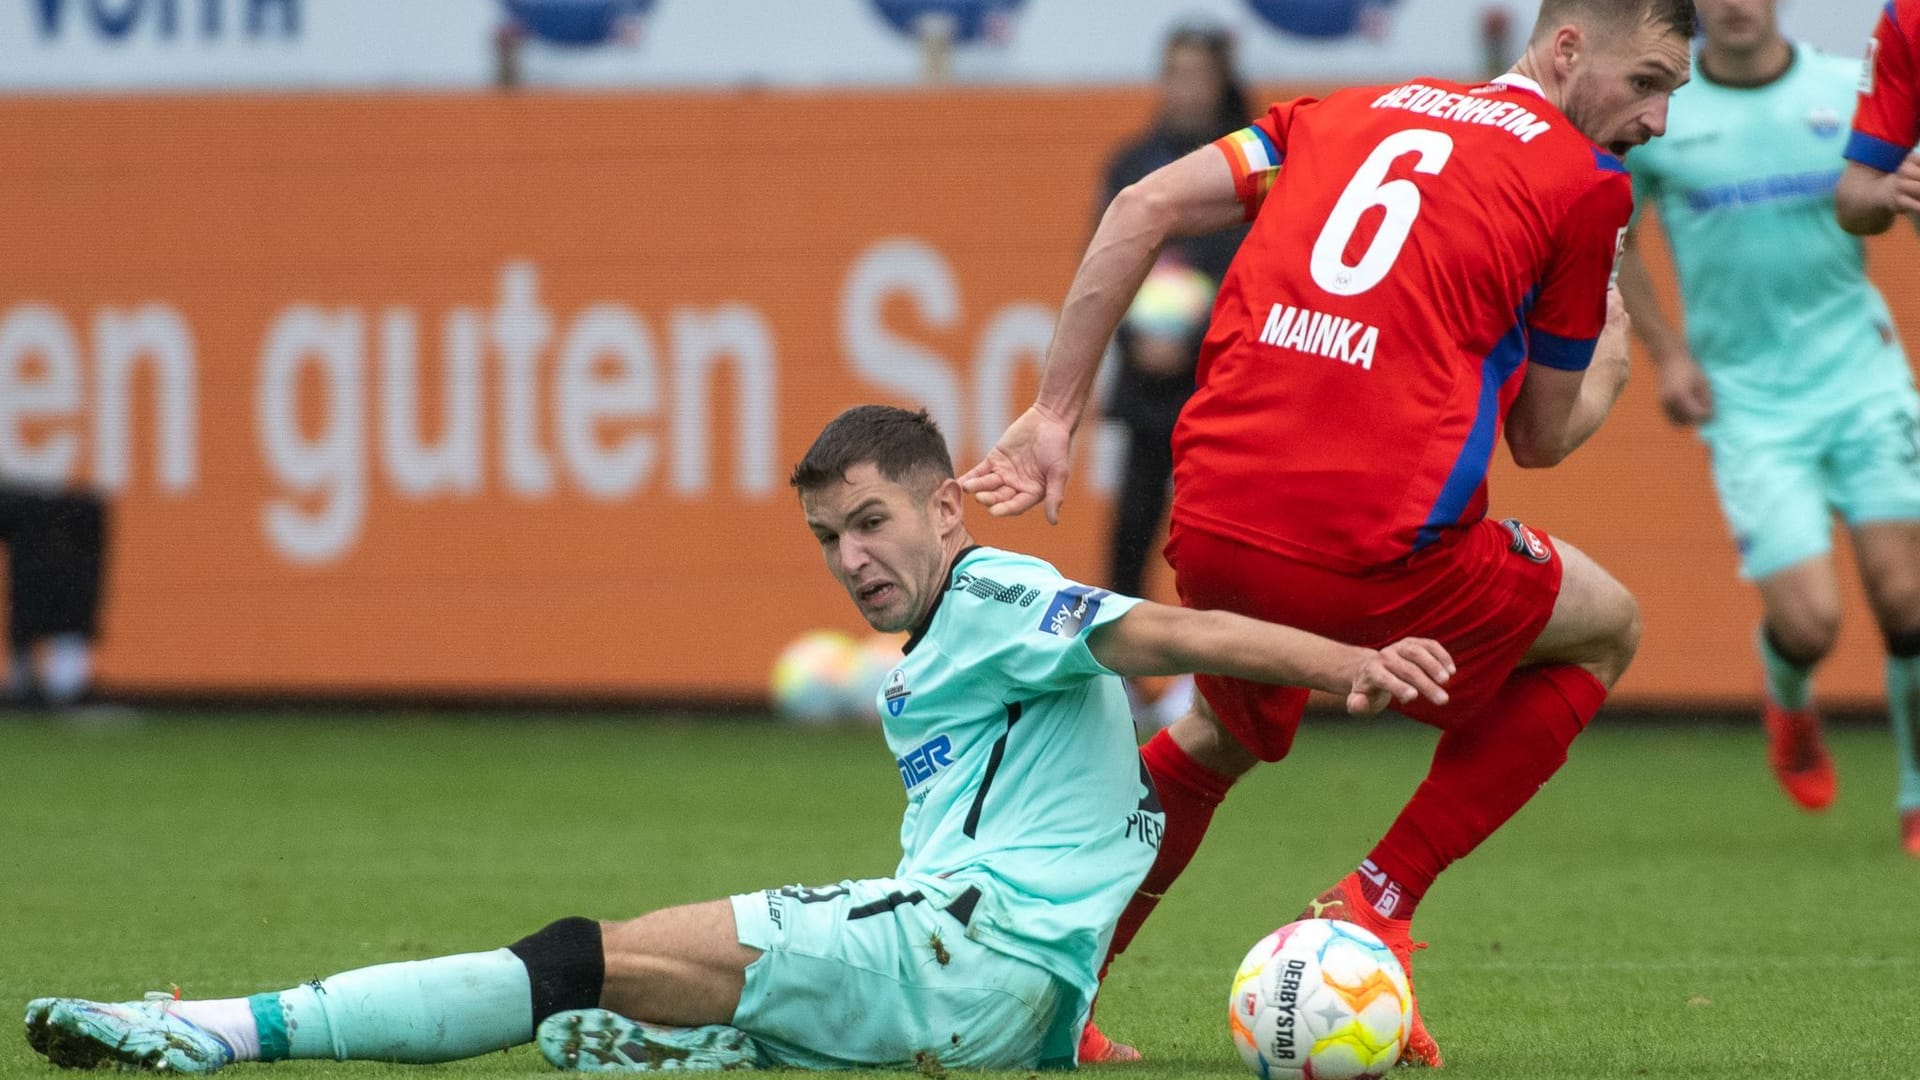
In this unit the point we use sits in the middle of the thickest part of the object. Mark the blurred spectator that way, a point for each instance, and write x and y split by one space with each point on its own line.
1200 100
55 544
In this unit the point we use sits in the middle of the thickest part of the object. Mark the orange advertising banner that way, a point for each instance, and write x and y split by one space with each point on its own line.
498 395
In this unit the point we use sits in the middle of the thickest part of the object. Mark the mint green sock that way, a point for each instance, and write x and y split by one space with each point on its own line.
1789 684
1903 711
418 1012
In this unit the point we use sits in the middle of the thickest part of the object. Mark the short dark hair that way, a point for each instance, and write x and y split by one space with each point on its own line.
1674 15
903 445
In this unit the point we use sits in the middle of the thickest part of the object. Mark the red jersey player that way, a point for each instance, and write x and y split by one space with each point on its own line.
1428 264
1882 178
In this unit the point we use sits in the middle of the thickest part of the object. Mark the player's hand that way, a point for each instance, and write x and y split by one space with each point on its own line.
1685 393
1027 466
1407 669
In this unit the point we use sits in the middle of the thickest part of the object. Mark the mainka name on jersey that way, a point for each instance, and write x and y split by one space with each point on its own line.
1346 340
1516 120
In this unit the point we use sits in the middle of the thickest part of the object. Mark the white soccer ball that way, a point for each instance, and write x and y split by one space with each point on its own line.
813 677
1320 999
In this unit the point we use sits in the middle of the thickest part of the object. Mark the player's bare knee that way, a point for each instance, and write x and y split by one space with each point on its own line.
1202 737
1804 635
1896 605
1620 638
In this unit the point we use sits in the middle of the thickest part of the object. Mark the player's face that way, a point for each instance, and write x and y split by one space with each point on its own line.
1617 84
884 543
1737 25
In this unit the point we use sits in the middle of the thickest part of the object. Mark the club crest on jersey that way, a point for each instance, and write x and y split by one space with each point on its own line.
1824 122
1072 608
1526 543
896 693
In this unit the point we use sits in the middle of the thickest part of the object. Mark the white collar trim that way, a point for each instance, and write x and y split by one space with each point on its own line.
1518 81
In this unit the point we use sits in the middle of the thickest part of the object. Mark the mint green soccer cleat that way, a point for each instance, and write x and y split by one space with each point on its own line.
141 1035
595 1040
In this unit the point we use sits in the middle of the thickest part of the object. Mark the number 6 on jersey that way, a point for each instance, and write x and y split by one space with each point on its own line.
1399 198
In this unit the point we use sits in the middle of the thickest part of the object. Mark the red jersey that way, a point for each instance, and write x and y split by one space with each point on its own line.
1886 123
1421 243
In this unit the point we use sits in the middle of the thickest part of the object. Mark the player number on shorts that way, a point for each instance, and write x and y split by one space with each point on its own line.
1399 198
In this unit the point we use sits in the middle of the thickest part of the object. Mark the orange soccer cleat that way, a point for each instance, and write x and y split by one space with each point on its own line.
1347 903
1798 755
1097 1049
1910 831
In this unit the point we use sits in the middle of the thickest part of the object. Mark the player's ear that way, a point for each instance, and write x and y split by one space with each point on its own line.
1569 43
949 504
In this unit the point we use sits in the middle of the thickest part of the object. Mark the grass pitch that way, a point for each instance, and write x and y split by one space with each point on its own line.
1659 911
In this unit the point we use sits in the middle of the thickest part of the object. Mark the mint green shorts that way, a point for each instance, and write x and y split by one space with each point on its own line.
881 974
1782 482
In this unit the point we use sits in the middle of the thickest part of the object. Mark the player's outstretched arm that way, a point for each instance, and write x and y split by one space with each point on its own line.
1028 466
1158 639
1867 199
1559 410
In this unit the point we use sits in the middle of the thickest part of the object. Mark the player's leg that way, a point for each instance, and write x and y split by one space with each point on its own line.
1889 557
1876 488
862 974
1774 488
679 965
1579 628
1800 621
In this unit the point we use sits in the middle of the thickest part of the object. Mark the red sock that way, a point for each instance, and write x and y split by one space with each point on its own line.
1189 791
1483 772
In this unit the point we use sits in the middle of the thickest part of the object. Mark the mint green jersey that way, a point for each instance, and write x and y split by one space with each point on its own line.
1778 308
1017 751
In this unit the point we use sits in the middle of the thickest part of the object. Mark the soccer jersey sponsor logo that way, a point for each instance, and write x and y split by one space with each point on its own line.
1802 187
1526 543
1824 122
924 762
1349 341
896 693
1072 608
1514 119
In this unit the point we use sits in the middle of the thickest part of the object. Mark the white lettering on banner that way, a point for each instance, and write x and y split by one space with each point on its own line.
1016 335
159 334
331 468
919 272
351 396
700 341
590 396
415 467
36 395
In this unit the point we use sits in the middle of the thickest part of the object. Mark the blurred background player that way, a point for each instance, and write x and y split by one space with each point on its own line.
1200 100
1384 317
1030 820
1789 368
1882 178
56 549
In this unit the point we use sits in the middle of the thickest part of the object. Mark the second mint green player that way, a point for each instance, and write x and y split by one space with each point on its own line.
1029 823
1790 367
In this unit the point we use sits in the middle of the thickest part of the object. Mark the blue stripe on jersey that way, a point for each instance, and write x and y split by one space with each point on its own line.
1607 162
1470 468
1874 153
1560 353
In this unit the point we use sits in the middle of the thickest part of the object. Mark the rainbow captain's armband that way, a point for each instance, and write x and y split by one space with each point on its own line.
1255 161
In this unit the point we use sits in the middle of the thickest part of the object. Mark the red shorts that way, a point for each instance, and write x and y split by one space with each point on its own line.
1484 593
